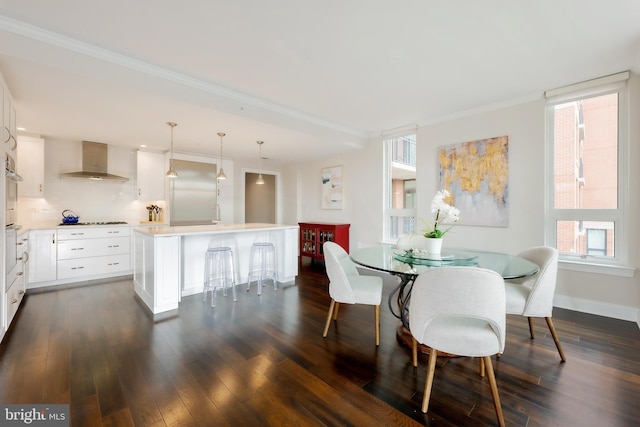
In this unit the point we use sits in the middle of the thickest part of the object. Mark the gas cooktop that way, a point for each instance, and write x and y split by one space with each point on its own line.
96 223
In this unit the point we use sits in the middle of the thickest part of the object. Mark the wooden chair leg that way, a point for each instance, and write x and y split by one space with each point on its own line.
552 329
414 352
494 390
531 326
482 367
431 369
331 310
377 318
335 311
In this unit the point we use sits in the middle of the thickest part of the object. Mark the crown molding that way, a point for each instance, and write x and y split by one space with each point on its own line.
101 54
484 109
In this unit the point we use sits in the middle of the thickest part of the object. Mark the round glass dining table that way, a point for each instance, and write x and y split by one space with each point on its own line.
408 264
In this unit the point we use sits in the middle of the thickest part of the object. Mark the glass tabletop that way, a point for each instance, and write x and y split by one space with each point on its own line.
400 261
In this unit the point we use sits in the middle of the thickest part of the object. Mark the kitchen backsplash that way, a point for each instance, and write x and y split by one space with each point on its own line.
91 201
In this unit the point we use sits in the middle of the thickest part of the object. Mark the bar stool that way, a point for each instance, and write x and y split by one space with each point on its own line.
219 273
262 264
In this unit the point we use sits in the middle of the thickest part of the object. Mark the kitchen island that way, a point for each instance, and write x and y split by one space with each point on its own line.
169 261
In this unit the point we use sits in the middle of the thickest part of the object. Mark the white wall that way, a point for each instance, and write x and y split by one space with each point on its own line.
362 193
524 124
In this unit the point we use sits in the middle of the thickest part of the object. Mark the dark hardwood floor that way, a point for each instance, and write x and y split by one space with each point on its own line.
263 361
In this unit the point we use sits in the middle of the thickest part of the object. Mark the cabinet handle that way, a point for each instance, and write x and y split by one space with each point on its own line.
20 273
25 257
53 238
113 263
77 268
15 143
113 232
8 133
77 234
13 301
77 249
21 292
139 192
114 246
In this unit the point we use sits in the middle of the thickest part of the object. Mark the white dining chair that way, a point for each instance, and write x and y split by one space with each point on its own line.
533 296
460 311
347 286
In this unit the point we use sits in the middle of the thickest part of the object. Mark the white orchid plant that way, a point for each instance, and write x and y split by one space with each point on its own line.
444 213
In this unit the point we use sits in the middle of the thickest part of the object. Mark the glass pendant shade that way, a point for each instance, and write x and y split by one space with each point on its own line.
171 173
221 174
260 180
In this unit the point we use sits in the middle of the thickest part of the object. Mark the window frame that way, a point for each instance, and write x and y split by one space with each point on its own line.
388 211
619 216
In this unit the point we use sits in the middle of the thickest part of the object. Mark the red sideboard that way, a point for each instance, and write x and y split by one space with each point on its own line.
314 234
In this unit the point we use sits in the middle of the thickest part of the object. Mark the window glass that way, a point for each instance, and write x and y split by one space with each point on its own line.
586 237
586 153
400 162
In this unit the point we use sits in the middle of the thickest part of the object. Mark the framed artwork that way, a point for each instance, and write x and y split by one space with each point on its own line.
332 187
476 173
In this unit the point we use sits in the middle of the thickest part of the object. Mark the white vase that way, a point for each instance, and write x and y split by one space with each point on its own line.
433 245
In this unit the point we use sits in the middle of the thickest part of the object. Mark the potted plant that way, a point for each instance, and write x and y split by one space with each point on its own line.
444 214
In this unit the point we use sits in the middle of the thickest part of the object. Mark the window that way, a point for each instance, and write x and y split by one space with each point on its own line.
400 186
586 192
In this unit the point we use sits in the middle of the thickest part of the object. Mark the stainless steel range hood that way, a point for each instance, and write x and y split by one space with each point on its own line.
94 164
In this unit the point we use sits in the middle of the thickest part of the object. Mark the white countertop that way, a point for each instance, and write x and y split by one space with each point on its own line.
183 230
51 226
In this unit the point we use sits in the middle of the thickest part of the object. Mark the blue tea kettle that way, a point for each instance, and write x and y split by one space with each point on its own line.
68 217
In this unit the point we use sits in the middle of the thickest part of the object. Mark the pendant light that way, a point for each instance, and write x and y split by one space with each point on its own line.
260 180
221 174
171 173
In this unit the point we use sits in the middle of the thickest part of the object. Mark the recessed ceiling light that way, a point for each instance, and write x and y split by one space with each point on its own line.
21 128
143 146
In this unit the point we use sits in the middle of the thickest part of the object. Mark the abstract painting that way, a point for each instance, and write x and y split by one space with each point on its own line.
476 173
332 187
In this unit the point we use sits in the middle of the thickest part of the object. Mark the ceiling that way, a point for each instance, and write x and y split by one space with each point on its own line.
311 79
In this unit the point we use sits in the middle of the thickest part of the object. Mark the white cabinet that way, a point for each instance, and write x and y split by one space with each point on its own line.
42 256
93 251
150 176
9 123
23 255
31 166
157 271
13 298
16 281
4 130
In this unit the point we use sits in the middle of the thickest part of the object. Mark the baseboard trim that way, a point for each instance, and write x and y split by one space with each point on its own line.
614 311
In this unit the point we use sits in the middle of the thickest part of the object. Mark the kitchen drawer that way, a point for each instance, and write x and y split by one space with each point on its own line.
73 268
72 232
15 274
72 249
14 297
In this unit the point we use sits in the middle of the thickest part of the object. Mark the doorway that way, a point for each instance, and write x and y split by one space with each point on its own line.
259 199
